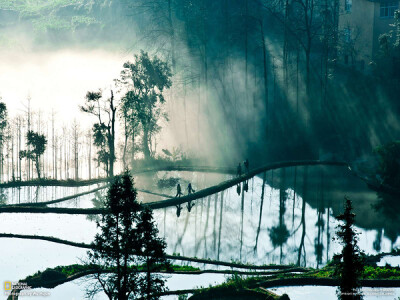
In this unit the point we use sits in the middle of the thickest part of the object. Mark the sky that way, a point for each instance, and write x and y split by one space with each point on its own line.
56 80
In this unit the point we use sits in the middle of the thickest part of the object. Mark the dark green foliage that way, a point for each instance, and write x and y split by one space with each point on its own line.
237 287
36 144
279 235
48 278
146 79
151 255
389 159
100 141
116 245
128 239
350 267
168 182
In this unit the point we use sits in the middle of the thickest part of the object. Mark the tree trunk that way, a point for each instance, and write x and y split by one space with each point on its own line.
111 138
125 142
37 164
265 76
146 150
308 71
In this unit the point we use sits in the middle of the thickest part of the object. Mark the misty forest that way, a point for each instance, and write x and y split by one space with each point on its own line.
198 149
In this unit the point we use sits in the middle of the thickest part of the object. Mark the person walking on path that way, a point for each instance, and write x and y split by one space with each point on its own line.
190 189
178 191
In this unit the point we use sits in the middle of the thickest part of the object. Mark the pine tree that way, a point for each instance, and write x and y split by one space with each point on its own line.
127 243
350 267
114 248
152 256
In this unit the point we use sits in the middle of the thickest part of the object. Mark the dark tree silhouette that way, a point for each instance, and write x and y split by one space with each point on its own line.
104 129
350 266
146 79
127 242
36 142
3 119
151 256
3 135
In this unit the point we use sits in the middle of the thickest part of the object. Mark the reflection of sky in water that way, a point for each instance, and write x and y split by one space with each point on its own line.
27 194
75 290
225 226
284 234
144 181
329 293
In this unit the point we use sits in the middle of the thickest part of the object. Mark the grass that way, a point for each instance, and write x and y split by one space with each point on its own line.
48 277
36 7
45 15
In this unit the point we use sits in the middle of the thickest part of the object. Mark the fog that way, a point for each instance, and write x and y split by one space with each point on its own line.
56 80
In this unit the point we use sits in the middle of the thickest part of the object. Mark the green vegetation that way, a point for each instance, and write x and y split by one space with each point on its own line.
386 272
48 15
369 272
237 286
51 277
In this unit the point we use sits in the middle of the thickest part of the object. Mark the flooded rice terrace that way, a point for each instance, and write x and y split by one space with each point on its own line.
286 216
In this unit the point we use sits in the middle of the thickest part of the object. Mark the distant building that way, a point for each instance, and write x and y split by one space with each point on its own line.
361 22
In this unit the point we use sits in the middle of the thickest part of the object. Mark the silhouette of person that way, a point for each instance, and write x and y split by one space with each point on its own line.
238 189
190 205
246 165
190 189
239 170
178 191
178 210
246 186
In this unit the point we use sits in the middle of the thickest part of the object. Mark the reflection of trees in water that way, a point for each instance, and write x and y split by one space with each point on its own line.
215 223
3 197
279 234
389 207
36 197
180 238
318 243
377 244
303 218
99 201
294 194
328 235
206 226
241 225
220 223
261 210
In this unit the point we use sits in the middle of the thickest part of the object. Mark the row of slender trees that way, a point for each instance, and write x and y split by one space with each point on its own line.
125 124
60 151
